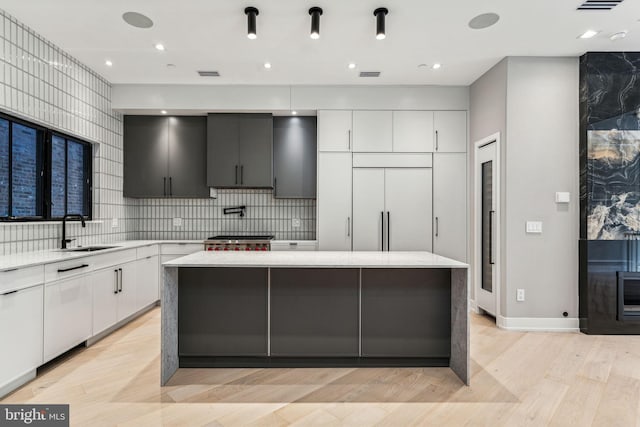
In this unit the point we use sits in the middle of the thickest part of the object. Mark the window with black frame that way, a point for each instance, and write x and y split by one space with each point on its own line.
43 175
69 176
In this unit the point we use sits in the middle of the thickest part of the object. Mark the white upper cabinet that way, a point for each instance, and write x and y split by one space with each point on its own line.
413 131
373 131
450 131
334 130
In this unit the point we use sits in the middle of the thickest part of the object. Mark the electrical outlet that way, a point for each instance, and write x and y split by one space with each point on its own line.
177 222
114 222
520 295
295 222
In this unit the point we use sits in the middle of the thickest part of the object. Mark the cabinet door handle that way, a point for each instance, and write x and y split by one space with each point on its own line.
275 186
120 271
348 226
437 140
491 213
11 269
349 141
9 293
241 174
437 228
164 185
236 174
115 288
388 231
64 270
382 228
170 186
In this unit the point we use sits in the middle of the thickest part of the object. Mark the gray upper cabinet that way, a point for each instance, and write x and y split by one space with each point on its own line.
146 145
294 157
239 150
164 156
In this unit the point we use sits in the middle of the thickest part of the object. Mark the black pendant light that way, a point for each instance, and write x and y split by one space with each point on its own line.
315 13
251 13
380 14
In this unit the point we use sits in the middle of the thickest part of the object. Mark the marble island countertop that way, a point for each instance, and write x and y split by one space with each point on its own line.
316 259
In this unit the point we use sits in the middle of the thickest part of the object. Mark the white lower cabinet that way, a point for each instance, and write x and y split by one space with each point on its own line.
67 314
114 295
147 280
21 324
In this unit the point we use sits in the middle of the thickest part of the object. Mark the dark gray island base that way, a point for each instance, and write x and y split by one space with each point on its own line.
217 312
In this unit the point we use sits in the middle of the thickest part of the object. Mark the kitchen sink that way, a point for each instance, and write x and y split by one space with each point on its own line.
90 248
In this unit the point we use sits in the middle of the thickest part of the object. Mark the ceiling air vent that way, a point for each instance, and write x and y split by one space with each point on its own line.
599 4
209 73
369 73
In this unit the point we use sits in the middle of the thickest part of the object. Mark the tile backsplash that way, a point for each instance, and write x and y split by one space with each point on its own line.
202 218
41 83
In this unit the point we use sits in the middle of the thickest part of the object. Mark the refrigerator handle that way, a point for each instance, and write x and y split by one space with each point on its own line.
382 228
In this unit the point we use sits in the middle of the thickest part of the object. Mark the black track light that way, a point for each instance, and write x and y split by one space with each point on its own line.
380 14
315 13
251 13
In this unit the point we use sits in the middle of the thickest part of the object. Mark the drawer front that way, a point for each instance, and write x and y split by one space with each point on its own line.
181 248
147 251
294 245
66 269
20 333
21 278
114 258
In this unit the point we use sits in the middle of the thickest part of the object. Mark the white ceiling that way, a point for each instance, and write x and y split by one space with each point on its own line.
211 35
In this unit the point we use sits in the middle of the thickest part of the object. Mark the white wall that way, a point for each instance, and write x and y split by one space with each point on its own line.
190 99
533 103
542 158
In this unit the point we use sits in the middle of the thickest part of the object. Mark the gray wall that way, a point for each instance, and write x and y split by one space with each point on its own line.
542 158
488 115
533 103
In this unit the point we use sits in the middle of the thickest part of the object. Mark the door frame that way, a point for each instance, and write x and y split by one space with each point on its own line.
477 249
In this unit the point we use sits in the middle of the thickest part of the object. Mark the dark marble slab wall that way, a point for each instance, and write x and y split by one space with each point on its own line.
609 186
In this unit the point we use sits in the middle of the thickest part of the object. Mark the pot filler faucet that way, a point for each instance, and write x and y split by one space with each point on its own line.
64 227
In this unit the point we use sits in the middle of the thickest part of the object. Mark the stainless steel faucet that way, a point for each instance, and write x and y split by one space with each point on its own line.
64 227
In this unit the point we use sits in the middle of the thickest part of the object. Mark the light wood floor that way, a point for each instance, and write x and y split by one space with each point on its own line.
518 379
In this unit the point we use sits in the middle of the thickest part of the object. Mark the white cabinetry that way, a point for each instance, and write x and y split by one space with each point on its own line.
413 131
147 281
334 202
392 209
294 245
451 131
372 131
450 205
114 295
334 130
67 314
21 324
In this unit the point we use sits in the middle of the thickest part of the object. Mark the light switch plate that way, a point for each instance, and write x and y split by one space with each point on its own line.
177 222
295 222
534 227
520 295
563 197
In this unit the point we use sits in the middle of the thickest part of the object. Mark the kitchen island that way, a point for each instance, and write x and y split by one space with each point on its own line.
314 309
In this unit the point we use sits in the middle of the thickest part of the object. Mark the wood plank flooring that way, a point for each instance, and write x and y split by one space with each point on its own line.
518 379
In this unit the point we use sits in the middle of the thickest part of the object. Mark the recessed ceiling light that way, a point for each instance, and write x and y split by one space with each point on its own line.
159 46
294 112
267 65
483 21
617 36
588 34
436 66
108 63
137 20
352 66
164 111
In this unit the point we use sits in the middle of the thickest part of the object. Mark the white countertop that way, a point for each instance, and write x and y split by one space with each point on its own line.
27 259
316 259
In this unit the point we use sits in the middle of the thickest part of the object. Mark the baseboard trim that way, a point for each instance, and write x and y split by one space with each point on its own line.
539 324
473 306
